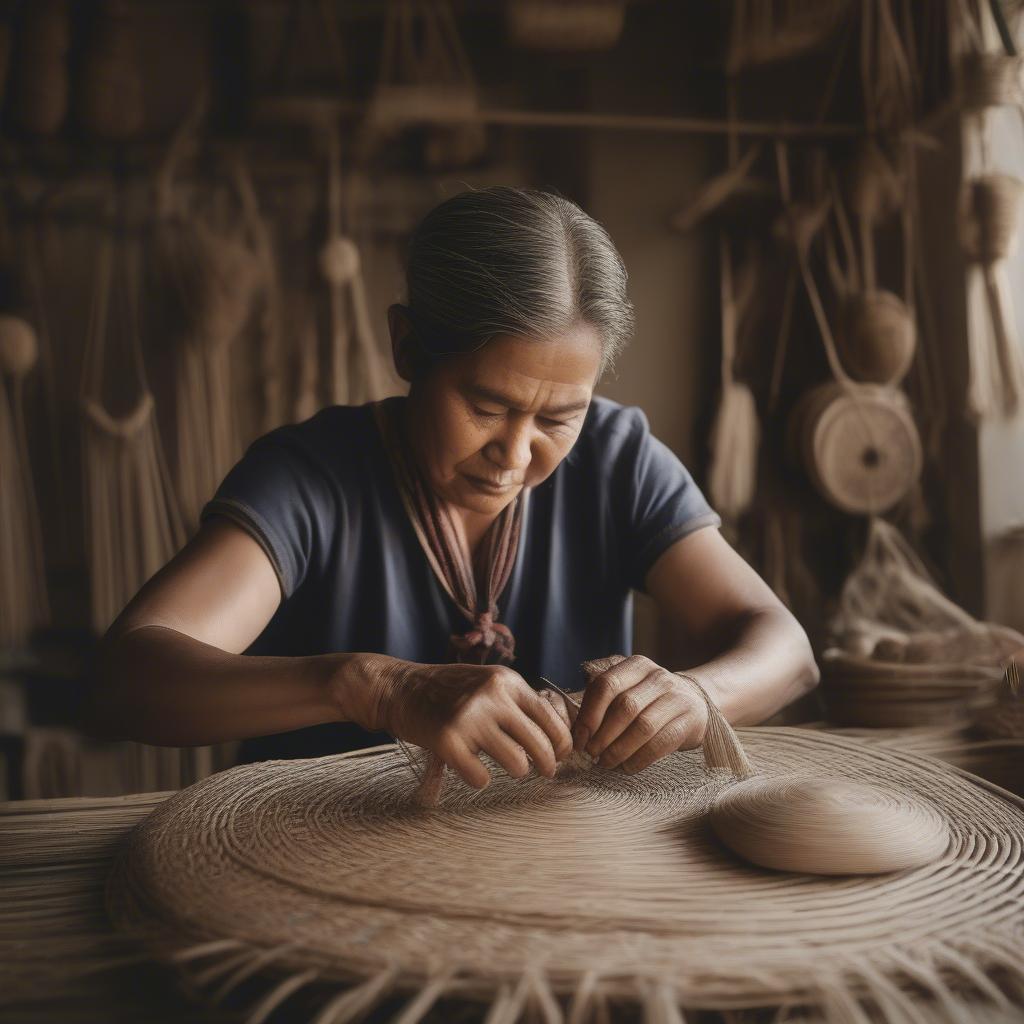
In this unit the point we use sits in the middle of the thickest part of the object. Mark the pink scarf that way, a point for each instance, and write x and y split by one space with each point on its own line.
475 588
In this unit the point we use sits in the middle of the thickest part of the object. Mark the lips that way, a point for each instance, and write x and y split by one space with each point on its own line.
491 485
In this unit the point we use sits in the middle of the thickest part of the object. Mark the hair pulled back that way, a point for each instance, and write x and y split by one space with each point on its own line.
518 261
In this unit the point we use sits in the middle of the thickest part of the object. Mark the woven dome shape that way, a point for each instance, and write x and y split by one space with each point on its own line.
596 884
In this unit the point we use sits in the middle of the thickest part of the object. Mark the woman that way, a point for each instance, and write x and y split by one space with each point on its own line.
414 567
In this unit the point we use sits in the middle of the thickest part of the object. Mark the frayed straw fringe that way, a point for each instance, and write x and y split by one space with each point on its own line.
946 988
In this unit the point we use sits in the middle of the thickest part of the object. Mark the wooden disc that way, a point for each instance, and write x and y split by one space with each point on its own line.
859 444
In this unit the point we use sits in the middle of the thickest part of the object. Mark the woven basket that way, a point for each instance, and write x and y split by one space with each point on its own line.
990 216
990 80
568 895
868 692
858 444
876 337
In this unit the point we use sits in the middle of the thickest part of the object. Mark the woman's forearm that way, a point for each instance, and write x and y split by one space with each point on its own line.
768 664
156 685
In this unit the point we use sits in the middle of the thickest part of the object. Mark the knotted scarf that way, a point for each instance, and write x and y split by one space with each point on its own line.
459 574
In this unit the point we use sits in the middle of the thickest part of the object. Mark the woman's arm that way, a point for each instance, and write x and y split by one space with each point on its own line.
748 651
750 656
170 671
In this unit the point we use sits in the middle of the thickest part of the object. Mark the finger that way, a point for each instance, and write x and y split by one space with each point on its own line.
567 705
460 758
596 666
643 728
678 734
558 702
601 690
533 739
509 754
626 706
547 716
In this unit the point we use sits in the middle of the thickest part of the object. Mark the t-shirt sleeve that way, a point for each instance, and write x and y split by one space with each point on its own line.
662 503
282 499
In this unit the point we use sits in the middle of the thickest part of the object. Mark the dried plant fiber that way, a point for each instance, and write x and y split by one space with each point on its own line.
23 598
990 80
565 25
210 276
40 84
568 892
989 223
132 522
736 432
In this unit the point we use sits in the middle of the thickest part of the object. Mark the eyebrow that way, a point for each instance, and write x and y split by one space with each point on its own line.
495 396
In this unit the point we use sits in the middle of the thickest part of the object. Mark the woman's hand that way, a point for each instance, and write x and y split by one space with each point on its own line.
461 711
634 712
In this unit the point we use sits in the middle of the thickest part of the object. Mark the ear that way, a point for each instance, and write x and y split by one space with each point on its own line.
403 344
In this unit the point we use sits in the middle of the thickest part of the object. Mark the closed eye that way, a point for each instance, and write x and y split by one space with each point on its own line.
486 414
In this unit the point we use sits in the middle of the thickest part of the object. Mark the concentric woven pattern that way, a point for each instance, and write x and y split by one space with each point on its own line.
594 878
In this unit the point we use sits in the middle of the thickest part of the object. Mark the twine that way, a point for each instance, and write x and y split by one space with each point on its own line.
592 886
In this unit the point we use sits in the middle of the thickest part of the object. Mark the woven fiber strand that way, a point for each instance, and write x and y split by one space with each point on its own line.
597 881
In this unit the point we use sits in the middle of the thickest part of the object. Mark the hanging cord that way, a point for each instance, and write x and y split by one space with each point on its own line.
802 242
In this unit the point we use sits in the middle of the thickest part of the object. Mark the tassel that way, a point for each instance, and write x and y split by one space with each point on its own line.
735 434
722 747
734 441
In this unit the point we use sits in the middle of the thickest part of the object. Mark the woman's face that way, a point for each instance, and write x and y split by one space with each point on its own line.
488 423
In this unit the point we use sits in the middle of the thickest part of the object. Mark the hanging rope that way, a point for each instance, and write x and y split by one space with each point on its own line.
132 522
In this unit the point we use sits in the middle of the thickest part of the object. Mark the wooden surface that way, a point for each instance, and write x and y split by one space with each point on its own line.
54 933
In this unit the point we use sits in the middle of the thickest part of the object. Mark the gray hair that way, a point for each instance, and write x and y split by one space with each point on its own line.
519 261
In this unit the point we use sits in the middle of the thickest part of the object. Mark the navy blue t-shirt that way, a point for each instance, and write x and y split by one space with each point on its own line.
321 499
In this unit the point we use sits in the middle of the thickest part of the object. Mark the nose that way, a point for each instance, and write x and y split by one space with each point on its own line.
511 449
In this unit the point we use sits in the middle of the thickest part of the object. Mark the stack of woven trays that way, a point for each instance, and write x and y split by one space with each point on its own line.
948 677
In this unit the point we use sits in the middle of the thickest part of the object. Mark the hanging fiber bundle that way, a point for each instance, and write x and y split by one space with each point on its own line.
209 278
766 31
132 522
989 222
425 79
357 372
271 311
564 25
23 600
40 84
110 95
735 434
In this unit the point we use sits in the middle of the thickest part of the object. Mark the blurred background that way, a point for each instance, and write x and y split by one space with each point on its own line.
204 209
